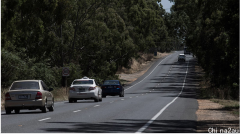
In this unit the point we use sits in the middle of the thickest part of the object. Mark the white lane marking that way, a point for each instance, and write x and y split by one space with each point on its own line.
136 96
60 102
45 119
111 102
122 99
149 73
162 110
76 111
96 105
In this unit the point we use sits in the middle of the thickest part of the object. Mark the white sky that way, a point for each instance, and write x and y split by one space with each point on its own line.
166 5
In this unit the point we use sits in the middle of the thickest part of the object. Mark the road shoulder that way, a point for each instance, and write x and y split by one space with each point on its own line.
213 117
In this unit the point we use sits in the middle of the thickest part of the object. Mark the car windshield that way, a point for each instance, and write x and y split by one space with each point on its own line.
110 83
82 82
25 85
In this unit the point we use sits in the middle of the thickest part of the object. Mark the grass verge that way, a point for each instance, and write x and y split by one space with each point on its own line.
230 105
217 95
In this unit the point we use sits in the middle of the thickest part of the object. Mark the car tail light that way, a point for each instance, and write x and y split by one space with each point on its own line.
39 95
116 86
7 96
91 88
72 88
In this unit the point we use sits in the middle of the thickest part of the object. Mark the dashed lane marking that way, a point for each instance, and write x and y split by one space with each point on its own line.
45 119
76 111
162 110
150 72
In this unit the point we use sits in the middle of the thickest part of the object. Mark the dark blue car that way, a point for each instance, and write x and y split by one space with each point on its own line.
112 87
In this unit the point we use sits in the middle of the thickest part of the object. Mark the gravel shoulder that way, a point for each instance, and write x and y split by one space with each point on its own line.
212 117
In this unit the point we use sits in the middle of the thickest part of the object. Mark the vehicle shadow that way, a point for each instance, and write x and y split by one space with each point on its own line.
81 101
31 112
125 126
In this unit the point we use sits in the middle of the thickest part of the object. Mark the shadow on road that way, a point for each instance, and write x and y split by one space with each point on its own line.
125 126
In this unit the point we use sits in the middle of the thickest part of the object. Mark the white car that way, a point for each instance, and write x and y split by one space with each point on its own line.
181 57
84 89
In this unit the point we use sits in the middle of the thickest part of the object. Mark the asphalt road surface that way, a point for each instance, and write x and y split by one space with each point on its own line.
162 100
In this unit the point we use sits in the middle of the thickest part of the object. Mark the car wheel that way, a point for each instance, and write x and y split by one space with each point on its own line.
70 100
122 94
52 107
16 111
100 99
8 111
96 100
104 96
44 108
75 100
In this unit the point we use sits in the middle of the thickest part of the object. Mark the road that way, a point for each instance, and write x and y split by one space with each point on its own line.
162 100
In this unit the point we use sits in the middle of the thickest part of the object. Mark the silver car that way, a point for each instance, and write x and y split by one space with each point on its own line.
181 57
84 89
29 94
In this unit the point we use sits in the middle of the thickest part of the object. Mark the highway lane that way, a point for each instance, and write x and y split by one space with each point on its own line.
158 101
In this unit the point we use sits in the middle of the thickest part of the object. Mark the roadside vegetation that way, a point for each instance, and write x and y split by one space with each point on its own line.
217 95
93 38
210 30
96 38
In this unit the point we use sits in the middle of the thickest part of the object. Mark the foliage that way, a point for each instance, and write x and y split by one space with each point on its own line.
210 30
91 37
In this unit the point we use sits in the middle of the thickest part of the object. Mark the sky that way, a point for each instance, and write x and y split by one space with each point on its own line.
166 5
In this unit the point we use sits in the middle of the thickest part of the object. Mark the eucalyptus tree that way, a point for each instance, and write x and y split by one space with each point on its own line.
212 34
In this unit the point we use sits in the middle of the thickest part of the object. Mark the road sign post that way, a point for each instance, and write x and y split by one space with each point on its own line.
65 73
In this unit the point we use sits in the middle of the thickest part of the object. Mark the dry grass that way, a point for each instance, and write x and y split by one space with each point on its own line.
218 95
60 94
3 92
137 64
230 105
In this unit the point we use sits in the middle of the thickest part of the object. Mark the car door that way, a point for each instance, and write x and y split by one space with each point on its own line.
47 93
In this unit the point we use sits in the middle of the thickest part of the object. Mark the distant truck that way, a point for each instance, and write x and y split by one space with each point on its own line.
186 51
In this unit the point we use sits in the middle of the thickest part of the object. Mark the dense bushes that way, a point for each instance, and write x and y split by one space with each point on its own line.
211 30
91 37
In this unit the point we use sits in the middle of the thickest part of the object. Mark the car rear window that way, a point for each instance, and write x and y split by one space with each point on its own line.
25 85
111 82
83 82
181 56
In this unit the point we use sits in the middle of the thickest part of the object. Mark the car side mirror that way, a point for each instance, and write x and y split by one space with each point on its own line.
50 89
